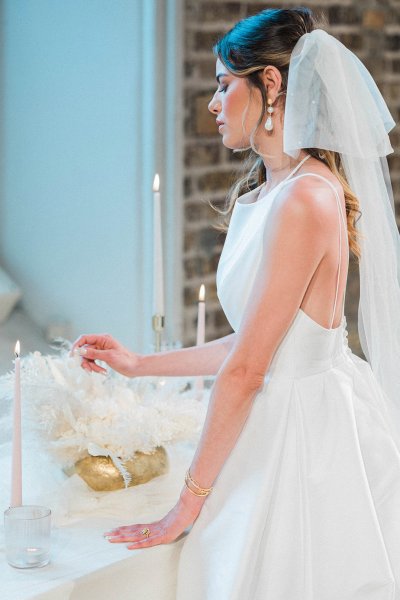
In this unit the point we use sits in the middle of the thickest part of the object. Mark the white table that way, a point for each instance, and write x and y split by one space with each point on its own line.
84 565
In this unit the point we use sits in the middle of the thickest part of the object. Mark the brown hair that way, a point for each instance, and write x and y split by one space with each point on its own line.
268 38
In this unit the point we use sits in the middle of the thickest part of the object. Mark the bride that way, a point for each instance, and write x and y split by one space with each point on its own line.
294 490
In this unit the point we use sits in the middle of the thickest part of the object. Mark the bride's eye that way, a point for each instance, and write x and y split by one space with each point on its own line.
223 89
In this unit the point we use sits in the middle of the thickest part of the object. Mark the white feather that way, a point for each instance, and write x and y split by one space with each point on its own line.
66 409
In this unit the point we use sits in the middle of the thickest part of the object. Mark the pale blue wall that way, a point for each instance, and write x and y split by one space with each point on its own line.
74 226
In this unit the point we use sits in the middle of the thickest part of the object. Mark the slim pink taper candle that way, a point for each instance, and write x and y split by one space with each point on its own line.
16 470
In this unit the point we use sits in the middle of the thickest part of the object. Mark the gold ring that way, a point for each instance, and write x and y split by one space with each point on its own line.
146 531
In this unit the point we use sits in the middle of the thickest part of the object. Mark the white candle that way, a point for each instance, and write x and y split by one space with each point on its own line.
16 471
158 275
201 316
201 326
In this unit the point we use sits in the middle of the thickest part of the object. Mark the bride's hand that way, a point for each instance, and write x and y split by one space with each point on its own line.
164 531
105 348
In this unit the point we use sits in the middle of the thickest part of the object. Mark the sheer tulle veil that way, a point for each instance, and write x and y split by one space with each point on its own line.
333 103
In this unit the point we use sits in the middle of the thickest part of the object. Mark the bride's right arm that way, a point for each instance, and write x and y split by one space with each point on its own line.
205 359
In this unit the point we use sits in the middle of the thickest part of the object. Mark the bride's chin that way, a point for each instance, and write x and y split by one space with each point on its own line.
235 144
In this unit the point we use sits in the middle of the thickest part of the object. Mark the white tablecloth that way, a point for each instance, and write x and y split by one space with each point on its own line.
84 565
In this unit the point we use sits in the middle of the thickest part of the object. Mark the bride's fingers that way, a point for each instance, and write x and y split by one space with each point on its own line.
83 340
97 369
90 366
153 540
94 354
85 364
115 532
102 340
133 536
127 528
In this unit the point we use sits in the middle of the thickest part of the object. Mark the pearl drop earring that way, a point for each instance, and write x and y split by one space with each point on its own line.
268 123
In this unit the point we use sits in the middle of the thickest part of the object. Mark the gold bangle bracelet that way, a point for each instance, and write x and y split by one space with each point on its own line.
193 492
196 484
201 489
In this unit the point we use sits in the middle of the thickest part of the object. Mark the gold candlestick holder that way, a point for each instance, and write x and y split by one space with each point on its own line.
158 322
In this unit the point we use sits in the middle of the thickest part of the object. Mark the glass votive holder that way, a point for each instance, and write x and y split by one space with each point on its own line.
27 536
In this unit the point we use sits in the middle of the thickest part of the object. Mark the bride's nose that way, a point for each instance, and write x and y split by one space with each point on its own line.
214 105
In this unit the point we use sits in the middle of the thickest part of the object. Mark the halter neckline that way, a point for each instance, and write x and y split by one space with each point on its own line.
292 172
297 167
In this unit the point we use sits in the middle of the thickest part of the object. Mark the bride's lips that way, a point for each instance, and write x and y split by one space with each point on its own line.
220 124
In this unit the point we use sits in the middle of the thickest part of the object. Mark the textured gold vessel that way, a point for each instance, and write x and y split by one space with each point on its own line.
102 475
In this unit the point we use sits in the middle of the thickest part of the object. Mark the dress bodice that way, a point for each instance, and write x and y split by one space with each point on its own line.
241 254
307 345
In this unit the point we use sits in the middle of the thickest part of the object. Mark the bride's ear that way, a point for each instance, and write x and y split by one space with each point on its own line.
272 80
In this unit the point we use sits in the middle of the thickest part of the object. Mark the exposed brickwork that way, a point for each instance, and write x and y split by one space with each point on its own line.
370 28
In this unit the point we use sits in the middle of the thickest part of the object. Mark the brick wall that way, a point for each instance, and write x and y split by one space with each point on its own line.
370 28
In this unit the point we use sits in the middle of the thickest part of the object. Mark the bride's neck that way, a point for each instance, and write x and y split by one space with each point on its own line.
278 167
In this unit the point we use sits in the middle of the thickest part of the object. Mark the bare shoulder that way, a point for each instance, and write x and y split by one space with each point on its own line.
311 200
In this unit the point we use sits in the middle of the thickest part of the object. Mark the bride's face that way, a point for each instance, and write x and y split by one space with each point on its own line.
237 108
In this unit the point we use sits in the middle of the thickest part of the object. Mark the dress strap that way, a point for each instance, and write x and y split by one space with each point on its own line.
297 167
339 206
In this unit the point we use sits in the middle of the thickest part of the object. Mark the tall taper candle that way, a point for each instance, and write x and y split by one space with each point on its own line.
16 470
201 316
158 275
201 326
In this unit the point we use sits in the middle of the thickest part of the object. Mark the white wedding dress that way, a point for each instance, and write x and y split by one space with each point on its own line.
307 505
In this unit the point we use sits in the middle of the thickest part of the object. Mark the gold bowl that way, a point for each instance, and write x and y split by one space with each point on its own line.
102 475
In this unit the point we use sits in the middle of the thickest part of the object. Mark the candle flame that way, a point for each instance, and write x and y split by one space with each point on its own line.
202 293
156 183
17 350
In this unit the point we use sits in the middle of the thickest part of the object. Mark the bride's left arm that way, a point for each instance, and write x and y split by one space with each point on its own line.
295 242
